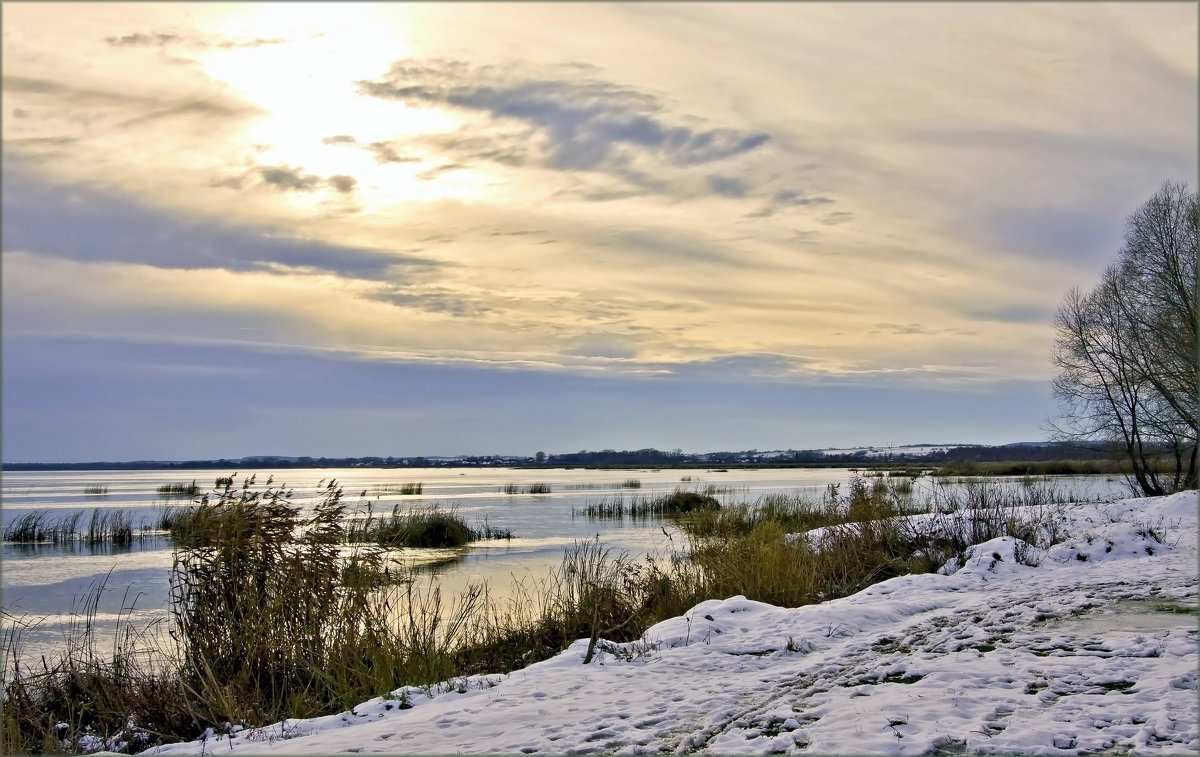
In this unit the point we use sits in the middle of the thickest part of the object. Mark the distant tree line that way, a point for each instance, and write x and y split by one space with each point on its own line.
641 458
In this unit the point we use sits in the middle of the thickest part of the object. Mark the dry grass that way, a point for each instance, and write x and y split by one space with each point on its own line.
275 616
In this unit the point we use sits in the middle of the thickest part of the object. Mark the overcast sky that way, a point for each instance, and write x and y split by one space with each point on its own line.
449 228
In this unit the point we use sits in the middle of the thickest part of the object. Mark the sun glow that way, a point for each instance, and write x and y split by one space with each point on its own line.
303 76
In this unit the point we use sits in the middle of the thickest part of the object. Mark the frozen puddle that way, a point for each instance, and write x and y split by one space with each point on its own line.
1133 616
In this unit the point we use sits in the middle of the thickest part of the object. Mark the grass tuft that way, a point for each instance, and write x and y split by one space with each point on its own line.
184 490
431 527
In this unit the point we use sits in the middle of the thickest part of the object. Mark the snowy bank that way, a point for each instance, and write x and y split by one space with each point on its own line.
1094 649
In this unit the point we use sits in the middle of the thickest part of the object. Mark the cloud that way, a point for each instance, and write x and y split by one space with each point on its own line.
512 150
285 177
382 151
161 39
436 171
788 198
671 248
727 186
138 39
33 85
288 179
188 108
385 153
342 183
1038 314
90 225
586 124
792 198
94 112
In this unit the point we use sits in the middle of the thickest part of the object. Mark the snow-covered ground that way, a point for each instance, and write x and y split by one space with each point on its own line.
1077 655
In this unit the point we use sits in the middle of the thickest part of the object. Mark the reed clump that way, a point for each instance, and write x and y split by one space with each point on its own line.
105 526
538 488
427 527
406 489
184 490
677 503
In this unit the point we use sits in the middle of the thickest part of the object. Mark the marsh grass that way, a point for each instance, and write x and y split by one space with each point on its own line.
184 490
37 526
537 488
273 616
86 699
105 526
629 483
679 502
425 527
406 489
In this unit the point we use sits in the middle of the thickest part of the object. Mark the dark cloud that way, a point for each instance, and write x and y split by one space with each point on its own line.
20 113
727 186
37 149
229 44
285 177
343 183
468 147
901 329
383 151
433 301
83 104
288 179
605 346
29 85
789 197
436 171
836 217
587 124
204 108
138 39
161 39
40 141
91 225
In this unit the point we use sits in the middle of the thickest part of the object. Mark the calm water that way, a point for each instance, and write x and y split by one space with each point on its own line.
49 583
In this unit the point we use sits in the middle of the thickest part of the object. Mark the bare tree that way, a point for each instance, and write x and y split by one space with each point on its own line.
1126 352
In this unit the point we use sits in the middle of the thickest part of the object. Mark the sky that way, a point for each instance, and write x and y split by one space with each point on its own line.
454 228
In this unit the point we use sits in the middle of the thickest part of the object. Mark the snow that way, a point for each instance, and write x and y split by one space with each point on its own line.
1072 655
912 450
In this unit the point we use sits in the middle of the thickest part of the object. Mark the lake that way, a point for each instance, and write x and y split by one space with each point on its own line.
49 583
